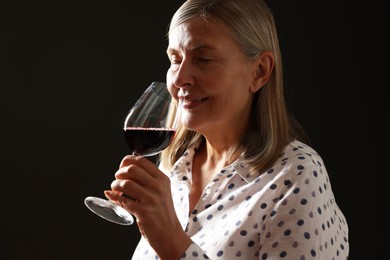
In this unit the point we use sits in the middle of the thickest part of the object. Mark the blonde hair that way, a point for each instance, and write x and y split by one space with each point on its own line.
251 24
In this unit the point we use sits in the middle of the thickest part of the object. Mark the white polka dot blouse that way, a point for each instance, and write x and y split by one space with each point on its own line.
287 212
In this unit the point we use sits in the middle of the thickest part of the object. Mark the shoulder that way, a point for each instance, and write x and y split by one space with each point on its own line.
300 152
300 157
300 163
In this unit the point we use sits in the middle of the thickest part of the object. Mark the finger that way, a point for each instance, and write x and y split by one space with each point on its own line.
122 173
142 162
135 173
116 196
127 160
129 189
127 196
120 200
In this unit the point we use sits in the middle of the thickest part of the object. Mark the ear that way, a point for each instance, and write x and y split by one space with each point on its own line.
263 66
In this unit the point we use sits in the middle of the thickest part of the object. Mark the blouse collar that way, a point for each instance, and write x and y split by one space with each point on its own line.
183 167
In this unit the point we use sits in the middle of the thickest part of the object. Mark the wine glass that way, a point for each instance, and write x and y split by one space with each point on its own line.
148 129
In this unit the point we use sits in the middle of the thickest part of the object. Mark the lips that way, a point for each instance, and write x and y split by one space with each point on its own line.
191 102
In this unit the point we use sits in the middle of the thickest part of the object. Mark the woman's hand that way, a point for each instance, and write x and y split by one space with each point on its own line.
143 190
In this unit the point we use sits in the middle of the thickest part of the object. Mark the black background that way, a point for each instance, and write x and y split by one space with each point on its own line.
70 70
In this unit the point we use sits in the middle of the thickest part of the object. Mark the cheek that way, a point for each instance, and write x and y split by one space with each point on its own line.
169 82
172 90
169 77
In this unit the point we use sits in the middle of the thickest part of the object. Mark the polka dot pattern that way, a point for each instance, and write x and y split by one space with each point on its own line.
287 212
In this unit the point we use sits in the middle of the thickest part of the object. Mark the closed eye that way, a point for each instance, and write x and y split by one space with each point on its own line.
205 60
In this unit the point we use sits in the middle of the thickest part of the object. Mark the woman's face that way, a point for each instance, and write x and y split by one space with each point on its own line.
210 75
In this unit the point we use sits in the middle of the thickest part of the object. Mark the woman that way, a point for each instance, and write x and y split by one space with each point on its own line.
239 180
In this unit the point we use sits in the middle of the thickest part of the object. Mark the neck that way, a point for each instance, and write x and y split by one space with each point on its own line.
219 156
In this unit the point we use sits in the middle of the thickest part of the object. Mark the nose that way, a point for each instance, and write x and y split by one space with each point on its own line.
184 75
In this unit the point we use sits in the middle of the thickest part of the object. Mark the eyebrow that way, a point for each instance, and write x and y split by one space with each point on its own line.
195 48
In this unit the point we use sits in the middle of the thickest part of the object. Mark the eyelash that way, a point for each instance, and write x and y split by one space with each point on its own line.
204 59
174 61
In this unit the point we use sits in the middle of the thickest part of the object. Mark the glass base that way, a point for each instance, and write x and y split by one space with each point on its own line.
109 211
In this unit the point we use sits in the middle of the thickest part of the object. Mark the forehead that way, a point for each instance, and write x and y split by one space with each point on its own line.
194 33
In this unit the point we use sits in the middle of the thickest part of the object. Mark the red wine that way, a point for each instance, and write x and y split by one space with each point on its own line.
148 141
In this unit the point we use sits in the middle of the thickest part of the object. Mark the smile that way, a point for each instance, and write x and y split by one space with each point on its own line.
189 102
185 100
